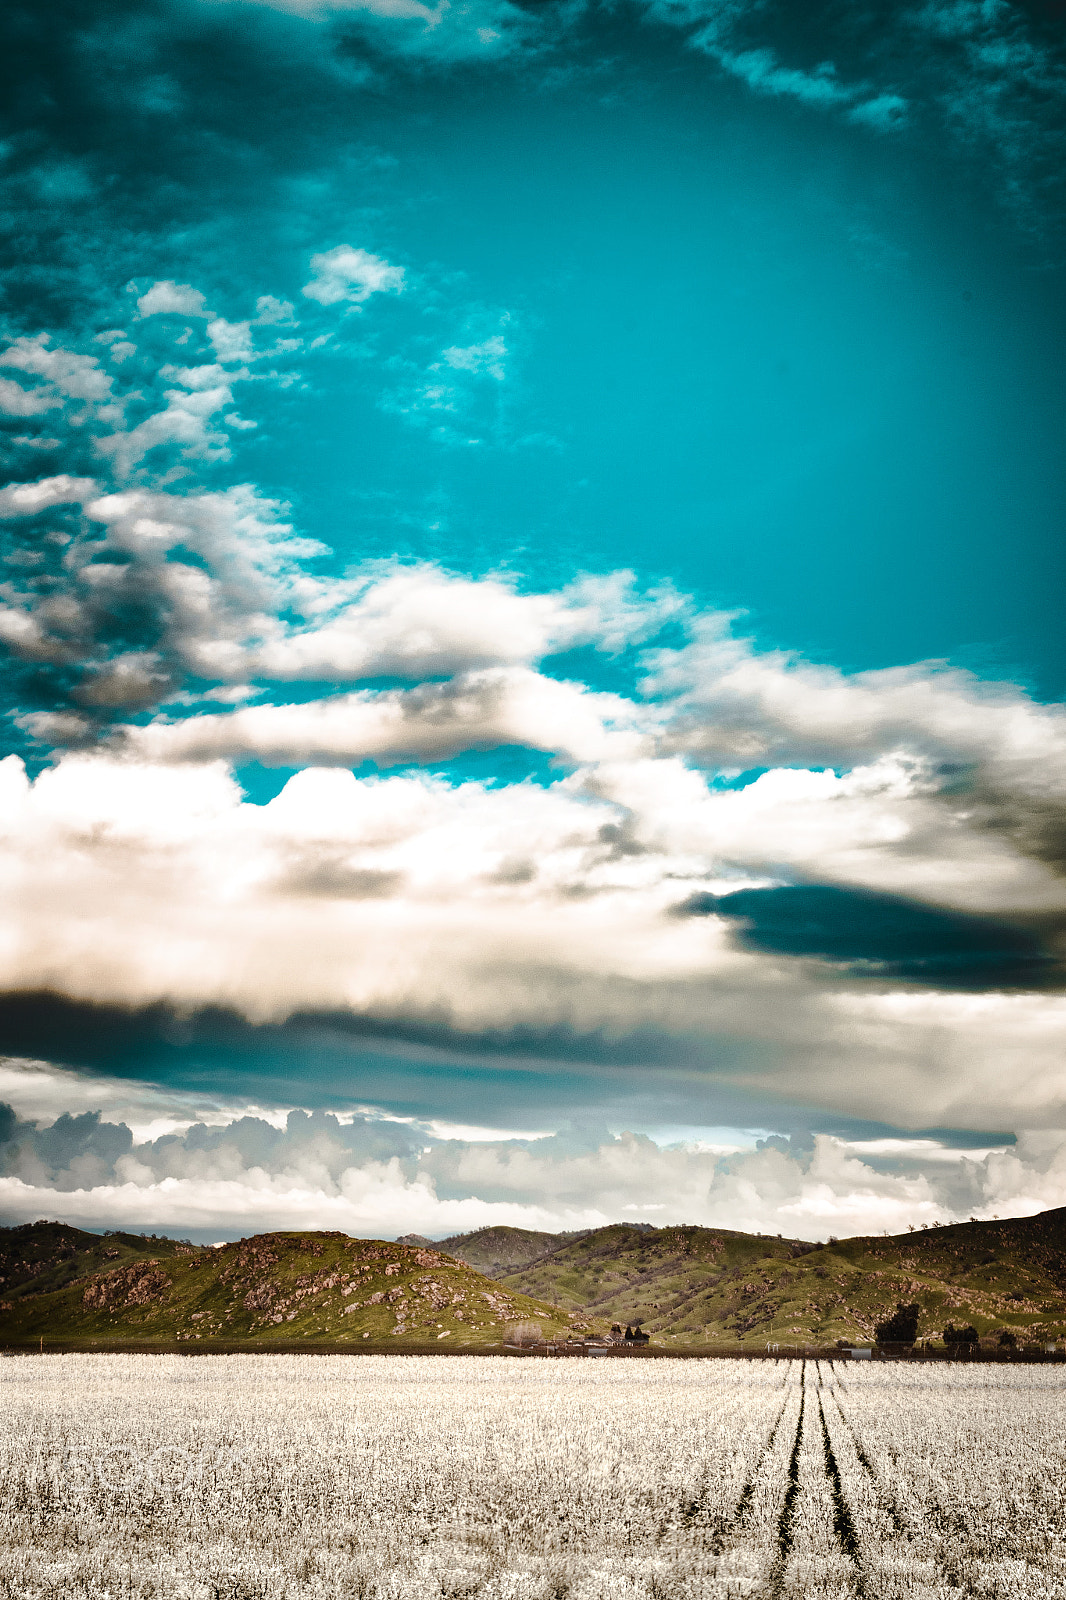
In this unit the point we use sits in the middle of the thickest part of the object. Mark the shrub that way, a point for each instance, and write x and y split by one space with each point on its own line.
901 1327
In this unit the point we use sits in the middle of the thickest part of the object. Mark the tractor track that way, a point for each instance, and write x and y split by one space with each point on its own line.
723 1530
788 1504
882 1493
843 1522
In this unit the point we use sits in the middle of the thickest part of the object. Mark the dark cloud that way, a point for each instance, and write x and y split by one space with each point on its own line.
884 936
411 1069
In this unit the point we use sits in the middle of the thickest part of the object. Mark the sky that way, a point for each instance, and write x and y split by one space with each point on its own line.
532 575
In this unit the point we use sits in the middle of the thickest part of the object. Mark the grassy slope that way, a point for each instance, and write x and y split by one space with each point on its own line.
697 1285
496 1251
280 1288
689 1286
43 1256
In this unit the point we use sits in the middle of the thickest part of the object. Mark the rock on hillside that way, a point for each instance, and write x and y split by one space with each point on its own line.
40 1257
283 1287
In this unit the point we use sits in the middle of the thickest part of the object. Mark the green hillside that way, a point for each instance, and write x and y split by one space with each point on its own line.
689 1286
496 1251
693 1285
277 1288
40 1257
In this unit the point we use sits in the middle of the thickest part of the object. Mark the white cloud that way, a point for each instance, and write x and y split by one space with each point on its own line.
185 421
749 708
232 341
272 312
172 299
26 499
348 274
476 710
488 357
68 373
478 910
380 1177
15 401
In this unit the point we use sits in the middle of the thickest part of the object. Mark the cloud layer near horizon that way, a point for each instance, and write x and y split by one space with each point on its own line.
380 1177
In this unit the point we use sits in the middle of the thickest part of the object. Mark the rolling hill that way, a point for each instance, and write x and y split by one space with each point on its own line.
40 1257
690 1287
276 1288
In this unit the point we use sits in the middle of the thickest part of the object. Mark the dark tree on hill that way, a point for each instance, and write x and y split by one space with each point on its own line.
1008 1340
901 1327
961 1336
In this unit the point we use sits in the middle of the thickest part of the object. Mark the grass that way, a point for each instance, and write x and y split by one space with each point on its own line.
692 1288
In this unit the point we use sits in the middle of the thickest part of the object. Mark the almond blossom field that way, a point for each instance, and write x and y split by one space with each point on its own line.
420 1478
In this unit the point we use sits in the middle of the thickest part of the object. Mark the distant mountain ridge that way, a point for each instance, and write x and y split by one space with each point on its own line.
688 1286
692 1285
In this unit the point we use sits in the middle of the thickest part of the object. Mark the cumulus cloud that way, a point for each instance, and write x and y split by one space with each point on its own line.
115 557
375 1175
172 299
353 275
27 499
65 376
15 401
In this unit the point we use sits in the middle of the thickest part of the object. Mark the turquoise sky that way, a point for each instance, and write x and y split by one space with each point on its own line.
751 315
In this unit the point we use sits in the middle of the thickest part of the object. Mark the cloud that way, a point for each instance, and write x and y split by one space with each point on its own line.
68 375
115 586
375 1175
883 112
348 274
917 806
761 71
232 341
417 621
475 710
244 604
488 357
27 499
443 32
172 299
519 913
272 312
15 401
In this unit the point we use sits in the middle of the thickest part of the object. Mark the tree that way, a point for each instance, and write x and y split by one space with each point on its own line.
901 1327
1008 1340
961 1336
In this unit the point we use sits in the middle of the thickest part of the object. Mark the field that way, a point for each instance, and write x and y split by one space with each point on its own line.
415 1478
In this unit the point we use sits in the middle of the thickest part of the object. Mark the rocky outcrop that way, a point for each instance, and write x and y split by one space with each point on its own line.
142 1283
